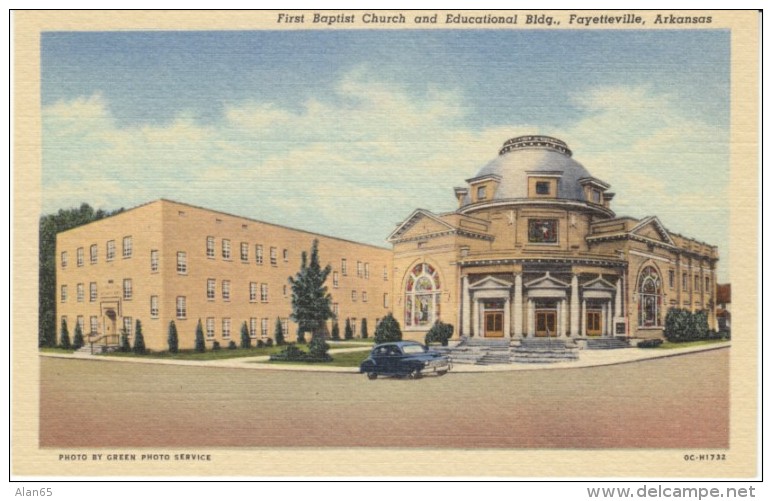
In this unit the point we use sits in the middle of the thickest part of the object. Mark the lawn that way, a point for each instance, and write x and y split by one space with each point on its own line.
210 354
688 344
345 359
55 349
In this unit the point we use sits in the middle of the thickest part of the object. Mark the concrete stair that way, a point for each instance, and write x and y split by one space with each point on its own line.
606 343
541 351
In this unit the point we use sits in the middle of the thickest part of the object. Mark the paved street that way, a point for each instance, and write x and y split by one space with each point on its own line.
677 402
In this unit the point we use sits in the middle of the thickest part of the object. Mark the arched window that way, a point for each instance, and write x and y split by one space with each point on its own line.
649 298
422 296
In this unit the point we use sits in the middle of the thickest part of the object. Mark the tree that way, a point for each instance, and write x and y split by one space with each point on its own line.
200 343
77 339
125 346
439 333
311 303
301 336
363 330
317 349
246 341
348 332
49 226
278 333
139 340
64 336
388 330
174 342
335 331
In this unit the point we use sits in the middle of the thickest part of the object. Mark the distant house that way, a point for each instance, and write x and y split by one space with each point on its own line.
723 306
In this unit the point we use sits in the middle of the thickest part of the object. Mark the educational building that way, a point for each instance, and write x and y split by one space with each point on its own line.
166 261
533 250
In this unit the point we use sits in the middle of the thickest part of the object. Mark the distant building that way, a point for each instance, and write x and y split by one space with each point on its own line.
724 306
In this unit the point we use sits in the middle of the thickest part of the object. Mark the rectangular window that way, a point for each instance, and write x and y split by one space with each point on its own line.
127 327
210 247
482 194
182 263
94 321
264 293
385 274
79 322
359 269
285 326
182 307
154 306
595 196
226 328
110 250
128 291
253 327
93 253
226 248
671 278
273 256
343 267
64 259
252 292
707 284
696 283
353 295
364 296
385 300
285 255
685 282
79 256
284 290
153 261
335 279
210 286
543 231
244 252
63 295
335 309
263 328
127 247
92 292
226 290
367 270
542 187
210 327
259 254
80 292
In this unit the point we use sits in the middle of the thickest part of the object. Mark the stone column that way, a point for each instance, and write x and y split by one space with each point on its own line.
531 318
517 306
562 330
466 317
478 317
584 317
610 330
604 319
507 320
574 305
618 299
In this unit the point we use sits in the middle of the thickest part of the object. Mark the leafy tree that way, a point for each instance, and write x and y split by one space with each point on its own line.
200 343
388 330
49 226
311 303
301 336
64 336
363 330
335 331
77 339
139 340
246 342
278 333
174 342
348 332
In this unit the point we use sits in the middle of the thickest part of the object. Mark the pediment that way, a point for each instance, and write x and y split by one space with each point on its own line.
420 222
547 282
652 228
599 284
490 283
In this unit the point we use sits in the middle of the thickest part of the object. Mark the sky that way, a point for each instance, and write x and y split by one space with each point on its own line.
347 132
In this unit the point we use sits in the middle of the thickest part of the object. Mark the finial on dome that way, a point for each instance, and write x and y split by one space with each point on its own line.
541 142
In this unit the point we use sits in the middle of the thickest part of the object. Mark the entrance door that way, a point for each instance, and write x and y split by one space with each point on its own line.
494 324
545 324
593 323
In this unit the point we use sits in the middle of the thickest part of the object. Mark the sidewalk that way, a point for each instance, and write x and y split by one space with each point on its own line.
587 358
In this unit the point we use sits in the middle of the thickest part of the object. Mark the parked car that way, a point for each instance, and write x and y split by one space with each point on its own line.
404 358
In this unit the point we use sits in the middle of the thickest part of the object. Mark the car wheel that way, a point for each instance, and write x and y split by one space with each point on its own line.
441 373
372 375
415 374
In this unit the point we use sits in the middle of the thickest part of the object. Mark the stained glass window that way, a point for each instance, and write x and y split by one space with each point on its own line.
543 231
649 298
422 296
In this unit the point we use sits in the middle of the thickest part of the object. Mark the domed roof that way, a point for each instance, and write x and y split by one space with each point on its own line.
526 156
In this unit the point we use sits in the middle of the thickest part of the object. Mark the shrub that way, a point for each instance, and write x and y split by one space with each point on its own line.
139 340
260 343
388 330
77 339
232 345
215 346
335 331
317 349
439 333
649 343
200 343
318 353
363 329
64 336
246 342
173 340
301 337
348 332
125 346
700 325
278 333
268 343
678 325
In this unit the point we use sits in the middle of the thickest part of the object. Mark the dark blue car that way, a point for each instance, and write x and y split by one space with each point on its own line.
404 358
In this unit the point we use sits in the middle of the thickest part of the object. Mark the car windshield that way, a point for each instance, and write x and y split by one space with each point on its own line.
411 349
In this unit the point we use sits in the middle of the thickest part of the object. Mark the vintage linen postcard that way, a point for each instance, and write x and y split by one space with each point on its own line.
509 244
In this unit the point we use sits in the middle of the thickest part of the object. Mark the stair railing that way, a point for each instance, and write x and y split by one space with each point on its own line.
104 339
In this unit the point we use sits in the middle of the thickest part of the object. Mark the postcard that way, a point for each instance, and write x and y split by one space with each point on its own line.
478 244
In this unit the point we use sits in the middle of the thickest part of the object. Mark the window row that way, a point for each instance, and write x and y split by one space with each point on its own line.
127 291
253 326
127 251
685 282
244 248
225 287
